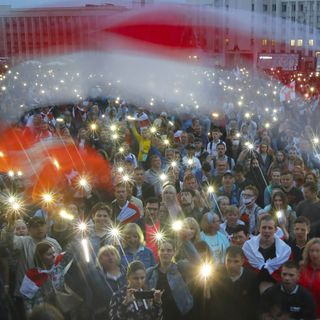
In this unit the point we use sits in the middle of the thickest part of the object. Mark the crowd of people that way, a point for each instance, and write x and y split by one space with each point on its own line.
209 217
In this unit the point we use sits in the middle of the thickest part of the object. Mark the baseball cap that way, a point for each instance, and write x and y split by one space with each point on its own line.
228 173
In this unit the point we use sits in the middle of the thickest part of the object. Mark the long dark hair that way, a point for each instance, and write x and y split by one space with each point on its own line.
41 248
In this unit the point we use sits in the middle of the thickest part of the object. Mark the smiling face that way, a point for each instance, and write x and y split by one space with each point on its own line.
166 253
102 218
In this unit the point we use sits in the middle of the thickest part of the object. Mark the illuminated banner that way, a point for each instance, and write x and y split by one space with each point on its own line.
278 60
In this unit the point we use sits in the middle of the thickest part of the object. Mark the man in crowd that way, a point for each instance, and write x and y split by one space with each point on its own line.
229 189
153 175
287 300
124 211
266 253
142 189
293 193
301 232
310 208
235 291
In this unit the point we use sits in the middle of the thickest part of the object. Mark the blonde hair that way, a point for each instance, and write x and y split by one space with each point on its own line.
105 249
192 223
232 209
305 255
133 227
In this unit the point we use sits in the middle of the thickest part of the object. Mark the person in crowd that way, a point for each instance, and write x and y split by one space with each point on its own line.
141 188
26 246
123 211
310 208
301 230
212 145
105 279
264 158
144 141
257 178
171 279
229 188
250 211
152 175
266 253
99 234
20 228
170 200
187 200
310 272
240 235
125 304
220 207
293 193
274 184
287 299
235 286
232 221
221 155
280 161
40 283
211 234
282 213
134 247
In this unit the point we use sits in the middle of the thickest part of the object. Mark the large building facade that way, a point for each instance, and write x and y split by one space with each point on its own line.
280 32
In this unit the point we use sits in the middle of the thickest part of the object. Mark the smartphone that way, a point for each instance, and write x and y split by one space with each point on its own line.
144 294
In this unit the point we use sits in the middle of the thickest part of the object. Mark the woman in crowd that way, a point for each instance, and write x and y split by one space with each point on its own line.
41 283
310 272
283 214
107 278
127 305
134 247
264 158
190 231
170 278
169 198
232 221
222 203
280 161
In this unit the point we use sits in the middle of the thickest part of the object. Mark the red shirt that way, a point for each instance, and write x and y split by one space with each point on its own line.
310 279
151 242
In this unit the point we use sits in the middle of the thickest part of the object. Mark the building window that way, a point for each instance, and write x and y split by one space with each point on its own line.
292 43
301 7
273 42
311 42
293 18
293 7
274 7
265 8
264 42
284 7
299 42
252 7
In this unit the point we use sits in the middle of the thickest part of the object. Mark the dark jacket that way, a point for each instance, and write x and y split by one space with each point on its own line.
298 304
235 300
147 190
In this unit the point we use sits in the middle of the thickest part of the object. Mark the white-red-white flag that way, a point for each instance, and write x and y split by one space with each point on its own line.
288 92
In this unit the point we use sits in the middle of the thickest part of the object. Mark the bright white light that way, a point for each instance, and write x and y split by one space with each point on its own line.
93 126
211 189
206 270
65 215
315 140
85 247
177 225
11 173
163 177
153 129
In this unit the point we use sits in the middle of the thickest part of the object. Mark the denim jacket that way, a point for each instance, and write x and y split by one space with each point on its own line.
179 288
